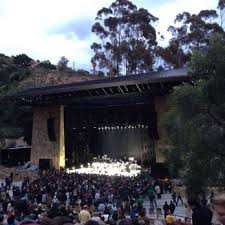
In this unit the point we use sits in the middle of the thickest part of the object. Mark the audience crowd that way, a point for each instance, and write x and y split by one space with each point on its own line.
59 198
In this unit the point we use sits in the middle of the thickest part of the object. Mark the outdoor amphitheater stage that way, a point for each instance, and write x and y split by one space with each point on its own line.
118 131
118 117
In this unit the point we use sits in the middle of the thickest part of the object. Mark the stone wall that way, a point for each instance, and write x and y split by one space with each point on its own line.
42 148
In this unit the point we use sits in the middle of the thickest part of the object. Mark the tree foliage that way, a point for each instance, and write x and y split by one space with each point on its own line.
46 64
127 39
15 121
6 68
63 64
192 32
196 121
22 60
221 7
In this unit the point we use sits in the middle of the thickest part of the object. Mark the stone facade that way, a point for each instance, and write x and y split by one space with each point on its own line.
42 147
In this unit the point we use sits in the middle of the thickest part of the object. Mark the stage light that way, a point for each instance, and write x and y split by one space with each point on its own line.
110 167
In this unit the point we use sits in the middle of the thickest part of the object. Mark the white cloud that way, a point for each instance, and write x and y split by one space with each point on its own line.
25 24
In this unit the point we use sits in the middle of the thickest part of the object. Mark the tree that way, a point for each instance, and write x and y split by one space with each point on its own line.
128 39
196 121
63 64
193 31
47 65
22 60
15 122
221 7
6 68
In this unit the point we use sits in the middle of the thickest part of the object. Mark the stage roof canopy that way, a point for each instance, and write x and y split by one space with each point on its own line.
98 91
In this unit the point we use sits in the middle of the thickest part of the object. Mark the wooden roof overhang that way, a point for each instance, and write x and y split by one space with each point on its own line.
102 91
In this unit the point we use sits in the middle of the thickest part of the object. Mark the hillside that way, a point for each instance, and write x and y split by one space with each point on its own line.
41 77
21 72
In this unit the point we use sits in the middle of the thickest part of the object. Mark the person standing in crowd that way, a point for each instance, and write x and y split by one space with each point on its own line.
158 191
140 202
201 215
179 198
172 207
152 200
166 209
174 197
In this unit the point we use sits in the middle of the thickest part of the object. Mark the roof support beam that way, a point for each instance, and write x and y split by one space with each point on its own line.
139 89
96 91
126 88
161 84
121 90
105 91
89 93
111 90
143 86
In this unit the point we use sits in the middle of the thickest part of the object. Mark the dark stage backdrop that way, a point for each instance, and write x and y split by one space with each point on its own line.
123 142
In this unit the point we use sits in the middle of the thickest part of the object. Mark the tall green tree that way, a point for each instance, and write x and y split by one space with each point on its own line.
190 31
127 39
196 121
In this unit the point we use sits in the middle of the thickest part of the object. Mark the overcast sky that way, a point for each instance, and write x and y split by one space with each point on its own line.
49 29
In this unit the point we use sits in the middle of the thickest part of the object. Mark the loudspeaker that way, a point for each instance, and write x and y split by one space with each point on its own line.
45 164
51 129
